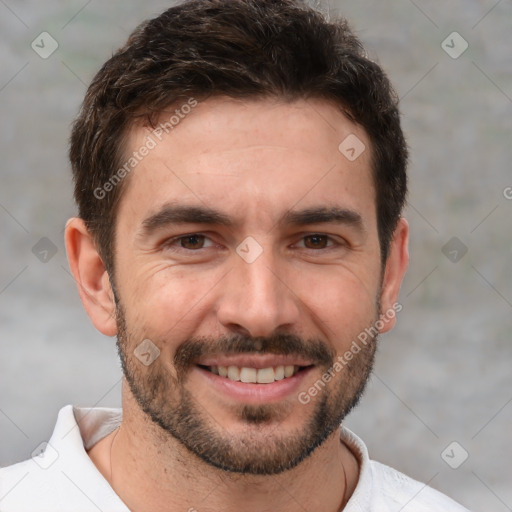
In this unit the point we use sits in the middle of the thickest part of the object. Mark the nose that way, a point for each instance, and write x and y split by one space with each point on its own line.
257 299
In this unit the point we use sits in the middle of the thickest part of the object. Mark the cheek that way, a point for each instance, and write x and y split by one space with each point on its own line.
342 302
163 303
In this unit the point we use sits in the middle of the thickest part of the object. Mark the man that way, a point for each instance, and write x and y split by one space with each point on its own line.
240 176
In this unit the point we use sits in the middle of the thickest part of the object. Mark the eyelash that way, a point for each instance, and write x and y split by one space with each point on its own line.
170 243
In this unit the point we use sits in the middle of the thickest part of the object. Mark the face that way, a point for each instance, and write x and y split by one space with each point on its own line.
247 253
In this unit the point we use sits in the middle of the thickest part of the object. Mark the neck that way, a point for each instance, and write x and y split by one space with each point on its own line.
151 471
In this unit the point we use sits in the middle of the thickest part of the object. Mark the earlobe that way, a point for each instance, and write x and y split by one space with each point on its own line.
90 276
396 266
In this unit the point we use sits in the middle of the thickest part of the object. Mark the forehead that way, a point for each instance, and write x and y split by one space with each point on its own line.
263 155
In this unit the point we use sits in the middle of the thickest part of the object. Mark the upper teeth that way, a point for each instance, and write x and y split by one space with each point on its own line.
255 375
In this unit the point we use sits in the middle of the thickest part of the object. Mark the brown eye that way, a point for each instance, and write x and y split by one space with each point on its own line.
192 242
316 241
187 244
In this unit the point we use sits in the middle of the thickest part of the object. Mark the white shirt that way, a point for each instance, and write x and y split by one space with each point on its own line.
64 479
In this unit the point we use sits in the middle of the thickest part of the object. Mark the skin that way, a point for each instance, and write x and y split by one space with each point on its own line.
255 161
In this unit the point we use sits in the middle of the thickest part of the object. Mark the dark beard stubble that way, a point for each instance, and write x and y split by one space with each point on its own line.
165 399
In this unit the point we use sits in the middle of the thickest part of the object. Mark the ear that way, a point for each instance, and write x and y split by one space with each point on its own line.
394 271
91 277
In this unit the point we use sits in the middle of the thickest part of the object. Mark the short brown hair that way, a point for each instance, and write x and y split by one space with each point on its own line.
241 49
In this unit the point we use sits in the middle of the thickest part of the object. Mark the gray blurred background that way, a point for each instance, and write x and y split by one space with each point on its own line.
443 375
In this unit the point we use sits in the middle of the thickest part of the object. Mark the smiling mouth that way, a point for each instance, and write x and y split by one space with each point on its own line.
255 375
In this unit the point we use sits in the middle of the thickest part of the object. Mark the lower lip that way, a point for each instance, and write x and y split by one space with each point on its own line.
256 393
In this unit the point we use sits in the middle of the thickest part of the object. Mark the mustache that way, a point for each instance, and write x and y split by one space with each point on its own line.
191 350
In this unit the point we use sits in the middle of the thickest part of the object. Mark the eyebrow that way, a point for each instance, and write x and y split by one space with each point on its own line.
321 215
190 214
184 214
